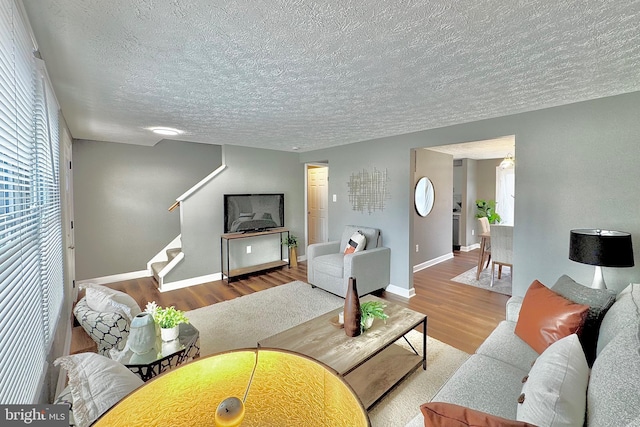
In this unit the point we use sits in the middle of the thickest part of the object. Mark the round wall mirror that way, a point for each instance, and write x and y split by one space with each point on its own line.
424 196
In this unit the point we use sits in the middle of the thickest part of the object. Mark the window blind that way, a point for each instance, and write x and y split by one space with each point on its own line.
31 282
48 205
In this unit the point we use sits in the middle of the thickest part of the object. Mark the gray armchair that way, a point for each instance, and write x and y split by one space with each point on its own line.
329 268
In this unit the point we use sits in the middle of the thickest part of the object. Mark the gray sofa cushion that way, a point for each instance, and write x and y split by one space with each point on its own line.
613 396
332 264
624 314
598 300
485 384
504 345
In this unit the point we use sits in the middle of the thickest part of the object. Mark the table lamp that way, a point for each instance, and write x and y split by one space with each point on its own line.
259 387
602 248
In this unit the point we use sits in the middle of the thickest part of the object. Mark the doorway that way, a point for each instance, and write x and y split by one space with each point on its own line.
476 175
317 203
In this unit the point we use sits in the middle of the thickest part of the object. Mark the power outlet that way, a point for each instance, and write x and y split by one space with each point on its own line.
417 248
248 249
473 232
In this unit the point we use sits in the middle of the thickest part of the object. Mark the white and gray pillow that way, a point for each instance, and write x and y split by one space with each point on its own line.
96 383
555 392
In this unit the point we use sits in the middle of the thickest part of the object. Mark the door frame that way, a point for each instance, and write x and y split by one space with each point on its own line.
308 166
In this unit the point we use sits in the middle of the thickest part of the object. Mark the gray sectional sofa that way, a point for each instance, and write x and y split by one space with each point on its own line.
491 380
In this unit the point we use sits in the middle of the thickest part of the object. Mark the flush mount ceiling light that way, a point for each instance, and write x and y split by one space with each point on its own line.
165 131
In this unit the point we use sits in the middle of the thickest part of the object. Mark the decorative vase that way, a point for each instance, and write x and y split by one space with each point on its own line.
169 334
142 333
293 257
352 310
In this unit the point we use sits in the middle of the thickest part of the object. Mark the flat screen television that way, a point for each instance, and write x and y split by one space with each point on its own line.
245 213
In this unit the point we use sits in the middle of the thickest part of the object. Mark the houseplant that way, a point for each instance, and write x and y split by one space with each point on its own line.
291 242
168 319
487 208
369 311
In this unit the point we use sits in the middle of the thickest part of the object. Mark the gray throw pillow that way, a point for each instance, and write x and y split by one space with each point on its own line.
598 300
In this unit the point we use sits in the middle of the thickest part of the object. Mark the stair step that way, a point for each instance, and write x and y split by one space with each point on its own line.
173 252
157 266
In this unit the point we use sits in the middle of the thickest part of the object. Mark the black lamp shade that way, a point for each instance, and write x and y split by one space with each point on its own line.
604 248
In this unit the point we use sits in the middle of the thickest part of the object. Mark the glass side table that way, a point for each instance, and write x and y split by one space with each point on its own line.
166 355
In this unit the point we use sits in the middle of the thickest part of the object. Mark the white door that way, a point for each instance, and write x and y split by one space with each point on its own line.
67 213
318 203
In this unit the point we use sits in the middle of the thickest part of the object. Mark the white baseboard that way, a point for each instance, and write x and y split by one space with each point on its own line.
115 278
432 262
299 258
190 282
469 248
165 287
402 292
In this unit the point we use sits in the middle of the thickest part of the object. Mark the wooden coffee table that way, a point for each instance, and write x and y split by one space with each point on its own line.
371 363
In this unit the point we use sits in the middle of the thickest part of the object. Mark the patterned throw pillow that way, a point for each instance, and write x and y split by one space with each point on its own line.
356 243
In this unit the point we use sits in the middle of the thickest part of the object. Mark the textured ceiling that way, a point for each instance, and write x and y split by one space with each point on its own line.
480 150
298 73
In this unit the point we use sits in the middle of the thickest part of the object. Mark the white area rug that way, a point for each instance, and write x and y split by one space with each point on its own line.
242 322
502 285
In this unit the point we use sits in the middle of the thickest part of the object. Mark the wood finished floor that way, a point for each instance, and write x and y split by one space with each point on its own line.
459 315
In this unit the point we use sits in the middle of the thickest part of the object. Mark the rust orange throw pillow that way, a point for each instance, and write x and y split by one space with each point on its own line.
545 317
439 414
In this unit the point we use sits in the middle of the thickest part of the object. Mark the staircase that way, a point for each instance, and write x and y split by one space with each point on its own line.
162 263
169 257
157 267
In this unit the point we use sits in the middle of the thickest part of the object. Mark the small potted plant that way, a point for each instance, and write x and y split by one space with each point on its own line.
168 319
369 311
291 242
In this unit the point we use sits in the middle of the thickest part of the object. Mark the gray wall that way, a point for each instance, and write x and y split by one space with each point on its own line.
433 233
249 170
398 211
486 179
469 196
576 167
122 193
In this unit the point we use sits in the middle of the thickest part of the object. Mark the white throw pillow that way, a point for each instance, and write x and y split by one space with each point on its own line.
555 393
97 383
356 243
104 299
